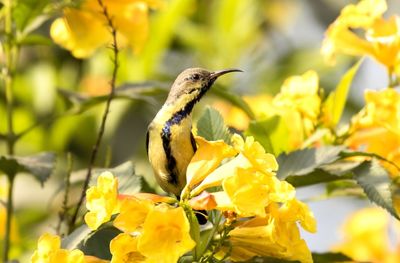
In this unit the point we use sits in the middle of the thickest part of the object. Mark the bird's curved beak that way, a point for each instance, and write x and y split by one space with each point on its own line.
216 74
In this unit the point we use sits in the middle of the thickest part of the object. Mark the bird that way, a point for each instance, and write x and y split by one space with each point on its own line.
170 143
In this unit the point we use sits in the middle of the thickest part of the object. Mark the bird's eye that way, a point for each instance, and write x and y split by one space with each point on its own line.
195 77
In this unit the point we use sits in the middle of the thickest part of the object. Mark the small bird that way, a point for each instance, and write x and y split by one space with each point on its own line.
170 142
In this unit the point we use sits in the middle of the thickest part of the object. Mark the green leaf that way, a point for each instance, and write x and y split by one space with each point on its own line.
305 161
315 177
211 126
272 133
337 99
375 182
330 257
233 98
40 165
26 11
73 240
194 231
98 243
78 103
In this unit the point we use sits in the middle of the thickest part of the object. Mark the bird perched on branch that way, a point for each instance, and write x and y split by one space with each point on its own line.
170 142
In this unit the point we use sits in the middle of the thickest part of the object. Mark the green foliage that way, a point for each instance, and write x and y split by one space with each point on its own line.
375 181
336 100
39 165
211 126
97 243
272 133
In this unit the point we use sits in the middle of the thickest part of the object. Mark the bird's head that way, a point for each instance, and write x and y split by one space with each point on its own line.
193 83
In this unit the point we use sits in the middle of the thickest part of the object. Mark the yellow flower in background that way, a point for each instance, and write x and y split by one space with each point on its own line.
297 104
366 239
84 29
276 235
300 94
165 235
49 251
376 128
132 214
14 235
102 200
380 40
123 249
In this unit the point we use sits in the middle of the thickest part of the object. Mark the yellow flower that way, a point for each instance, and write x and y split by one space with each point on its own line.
297 104
300 94
208 156
130 18
132 214
49 251
376 128
165 235
124 249
14 235
101 200
276 235
250 191
381 37
251 154
366 237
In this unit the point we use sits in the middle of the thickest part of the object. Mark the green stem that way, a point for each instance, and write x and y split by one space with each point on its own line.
105 114
10 211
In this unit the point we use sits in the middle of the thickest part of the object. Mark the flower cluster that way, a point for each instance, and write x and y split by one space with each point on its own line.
83 29
262 210
380 37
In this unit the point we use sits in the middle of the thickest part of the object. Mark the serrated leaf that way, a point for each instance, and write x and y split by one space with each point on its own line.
40 165
234 99
335 103
73 240
98 243
211 126
375 182
315 177
305 161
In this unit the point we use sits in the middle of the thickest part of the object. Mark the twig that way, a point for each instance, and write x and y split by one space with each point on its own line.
105 114
64 210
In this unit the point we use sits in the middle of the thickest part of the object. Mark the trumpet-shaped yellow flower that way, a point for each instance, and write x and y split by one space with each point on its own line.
132 214
377 127
250 191
49 251
123 249
251 154
275 235
208 156
101 200
165 235
365 237
380 40
82 30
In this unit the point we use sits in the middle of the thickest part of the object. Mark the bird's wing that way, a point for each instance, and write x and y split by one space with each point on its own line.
193 141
